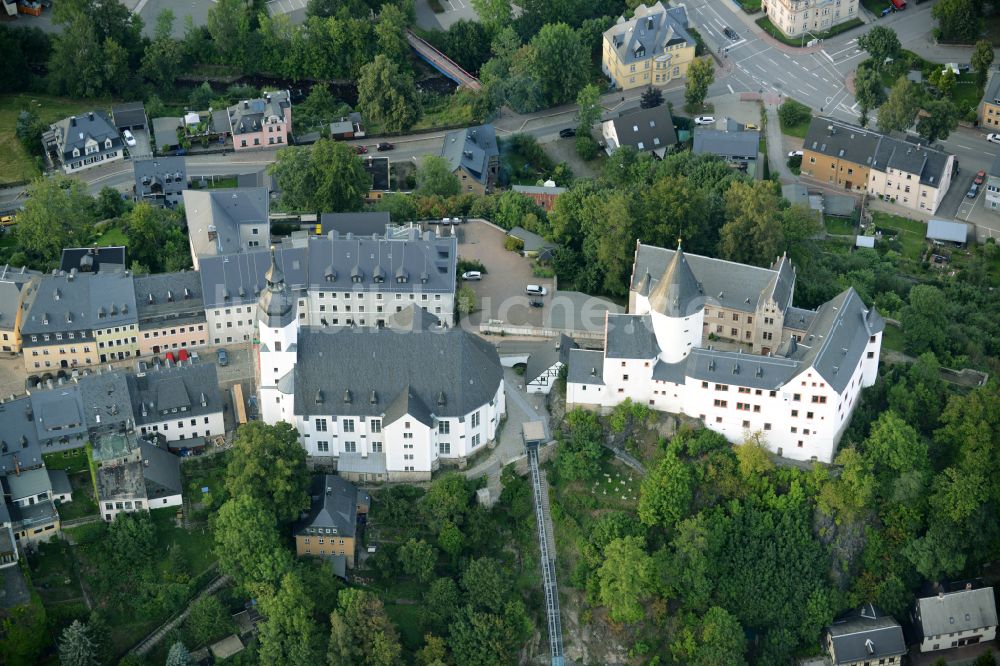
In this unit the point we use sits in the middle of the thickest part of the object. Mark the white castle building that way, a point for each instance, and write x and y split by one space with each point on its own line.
721 342
385 403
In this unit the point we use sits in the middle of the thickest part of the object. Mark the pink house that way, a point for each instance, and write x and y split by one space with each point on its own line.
260 123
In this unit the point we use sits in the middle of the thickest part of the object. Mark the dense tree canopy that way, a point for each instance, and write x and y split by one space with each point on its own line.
269 464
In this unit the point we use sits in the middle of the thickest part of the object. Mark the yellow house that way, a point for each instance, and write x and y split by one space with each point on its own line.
15 285
654 47
989 110
330 529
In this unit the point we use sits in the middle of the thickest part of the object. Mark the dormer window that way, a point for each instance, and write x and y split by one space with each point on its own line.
107 144
76 152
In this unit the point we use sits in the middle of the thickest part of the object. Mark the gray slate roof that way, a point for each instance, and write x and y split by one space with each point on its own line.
164 388
630 336
226 210
334 506
28 483
12 283
645 129
129 114
248 116
725 283
59 480
18 437
86 301
358 224
799 318
159 176
957 611
992 93
651 30
547 354
161 471
58 412
866 635
165 132
94 259
276 306
471 148
347 124
364 371
75 131
169 297
532 241
586 366
730 145
677 292
943 230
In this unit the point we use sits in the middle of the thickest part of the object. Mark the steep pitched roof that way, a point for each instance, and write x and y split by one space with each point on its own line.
630 336
76 131
162 388
866 635
547 354
677 292
649 32
742 145
161 471
173 297
12 283
86 301
963 610
645 129
248 115
334 506
471 148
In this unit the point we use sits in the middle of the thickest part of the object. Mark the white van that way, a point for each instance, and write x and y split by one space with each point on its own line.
535 290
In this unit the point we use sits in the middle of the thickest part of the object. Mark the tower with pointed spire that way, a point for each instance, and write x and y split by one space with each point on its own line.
277 332
676 306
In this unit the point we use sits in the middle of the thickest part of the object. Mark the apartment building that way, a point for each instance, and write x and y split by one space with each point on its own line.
180 401
15 285
266 121
654 47
226 221
171 312
801 17
160 181
992 201
903 171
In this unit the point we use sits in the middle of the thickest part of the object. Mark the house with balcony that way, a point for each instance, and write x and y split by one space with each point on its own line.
654 47
262 122
80 142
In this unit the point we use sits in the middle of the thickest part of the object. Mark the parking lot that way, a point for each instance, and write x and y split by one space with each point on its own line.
501 291
454 11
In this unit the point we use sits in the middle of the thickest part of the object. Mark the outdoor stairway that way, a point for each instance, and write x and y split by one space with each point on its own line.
547 547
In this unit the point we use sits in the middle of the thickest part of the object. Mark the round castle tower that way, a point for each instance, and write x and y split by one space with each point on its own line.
676 305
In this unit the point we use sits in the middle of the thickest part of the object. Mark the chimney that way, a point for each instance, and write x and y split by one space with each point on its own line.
91 115
72 121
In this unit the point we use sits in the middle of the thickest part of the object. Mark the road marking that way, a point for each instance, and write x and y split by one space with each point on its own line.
731 91
773 62
786 55
828 56
966 147
808 85
760 68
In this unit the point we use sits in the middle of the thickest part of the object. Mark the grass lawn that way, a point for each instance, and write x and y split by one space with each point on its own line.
841 226
875 6
113 236
195 544
18 165
799 129
72 461
892 338
749 6
966 93
207 472
218 183
911 233
83 503
771 29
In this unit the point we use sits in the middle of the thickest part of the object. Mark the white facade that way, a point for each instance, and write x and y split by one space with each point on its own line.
795 17
180 426
92 158
906 189
231 325
367 308
111 508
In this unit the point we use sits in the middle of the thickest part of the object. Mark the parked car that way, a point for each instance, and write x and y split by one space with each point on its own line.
993 138
535 304
973 191
980 177
704 120
129 139
361 150
385 146
567 133
223 357
536 290
472 275
751 126
795 153
887 11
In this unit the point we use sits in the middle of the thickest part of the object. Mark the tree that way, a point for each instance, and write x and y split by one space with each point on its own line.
56 215
899 109
109 204
76 648
269 464
447 500
339 176
390 31
361 632
625 579
799 223
248 545
651 97
558 62
465 299
433 653
436 178
793 113
485 584
289 635
881 43
387 95
29 130
162 62
925 321
589 103
666 492
982 58
579 453
76 66
208 620
178 655
229 25
441 601
493 14
478 638
939 119
711 640
700 75
869 92
958 20
417 559
753 233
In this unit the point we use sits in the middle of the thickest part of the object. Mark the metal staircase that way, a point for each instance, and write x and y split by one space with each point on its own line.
547 547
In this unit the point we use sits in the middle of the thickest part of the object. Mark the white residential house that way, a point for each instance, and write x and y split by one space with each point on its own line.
376 403
721 342
150 478
545 363
955 619
80 142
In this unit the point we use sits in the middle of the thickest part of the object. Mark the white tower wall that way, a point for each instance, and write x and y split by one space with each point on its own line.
677 335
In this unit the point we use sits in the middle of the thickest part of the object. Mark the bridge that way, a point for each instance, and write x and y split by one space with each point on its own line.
442 63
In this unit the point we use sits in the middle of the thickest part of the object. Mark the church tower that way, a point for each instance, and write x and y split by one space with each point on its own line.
677 307
278 332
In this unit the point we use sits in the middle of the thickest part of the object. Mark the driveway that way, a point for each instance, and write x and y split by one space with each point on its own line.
501 291
12 375
141 148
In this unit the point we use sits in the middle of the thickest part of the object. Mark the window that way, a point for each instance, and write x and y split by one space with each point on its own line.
444 428
795 412
348 425
797 397
721 387
350 447
444 448
720 403
376 425
323 447
320 425
809 415
475 419
475 441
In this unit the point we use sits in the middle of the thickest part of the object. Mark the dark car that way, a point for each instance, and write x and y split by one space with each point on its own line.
731 34
361 150
973 192
567 133
535 304
223 357
385 146
980 177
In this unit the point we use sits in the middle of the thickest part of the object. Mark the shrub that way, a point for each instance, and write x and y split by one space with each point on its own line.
513 244
586 147
794 113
